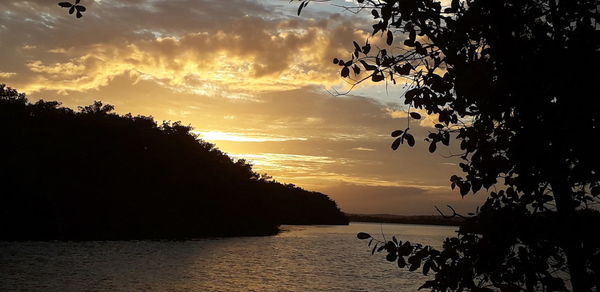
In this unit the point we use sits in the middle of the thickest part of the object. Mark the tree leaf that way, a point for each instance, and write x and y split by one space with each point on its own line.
345 72
396 143
397 133
411 94
432 147
401 262
391 257
454 5
366 48
414 267
375 13
390 38
363 235
356 46
302 5
377 77
410 140
434 266
446 138
415 116
426 267
405 249
404 69
65 4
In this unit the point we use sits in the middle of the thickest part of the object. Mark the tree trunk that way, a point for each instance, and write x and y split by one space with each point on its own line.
571 241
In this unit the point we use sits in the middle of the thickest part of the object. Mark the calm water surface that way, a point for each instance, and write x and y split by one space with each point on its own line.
304 258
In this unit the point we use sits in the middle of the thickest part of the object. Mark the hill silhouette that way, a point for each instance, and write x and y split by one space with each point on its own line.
92 174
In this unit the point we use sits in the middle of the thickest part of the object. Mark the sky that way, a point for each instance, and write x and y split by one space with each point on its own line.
251 77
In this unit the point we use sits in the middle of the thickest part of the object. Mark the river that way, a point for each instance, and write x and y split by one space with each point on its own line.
302 258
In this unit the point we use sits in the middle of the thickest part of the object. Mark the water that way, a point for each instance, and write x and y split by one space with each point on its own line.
304 258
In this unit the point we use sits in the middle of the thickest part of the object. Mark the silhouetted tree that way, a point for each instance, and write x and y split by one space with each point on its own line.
515 82
93 174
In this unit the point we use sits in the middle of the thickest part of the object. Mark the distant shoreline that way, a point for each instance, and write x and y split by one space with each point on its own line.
399 219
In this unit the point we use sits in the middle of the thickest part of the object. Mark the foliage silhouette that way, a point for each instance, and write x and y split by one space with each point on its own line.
79 9
515 83
93 174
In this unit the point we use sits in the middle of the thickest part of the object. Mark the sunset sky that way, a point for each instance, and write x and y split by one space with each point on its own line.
250 76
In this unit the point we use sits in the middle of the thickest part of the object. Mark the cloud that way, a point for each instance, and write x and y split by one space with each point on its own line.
203 47
235 60
7 74
363 149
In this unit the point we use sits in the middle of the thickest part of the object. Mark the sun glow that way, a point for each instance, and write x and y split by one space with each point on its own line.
238 137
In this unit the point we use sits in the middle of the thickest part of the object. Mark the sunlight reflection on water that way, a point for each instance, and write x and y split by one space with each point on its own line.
303 258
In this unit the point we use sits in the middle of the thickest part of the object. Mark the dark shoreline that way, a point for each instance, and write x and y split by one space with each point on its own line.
253 233
399 219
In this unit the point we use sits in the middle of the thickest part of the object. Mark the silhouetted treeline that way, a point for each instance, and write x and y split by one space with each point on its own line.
93 174
425 219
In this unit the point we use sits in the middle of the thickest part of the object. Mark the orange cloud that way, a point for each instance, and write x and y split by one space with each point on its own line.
250 55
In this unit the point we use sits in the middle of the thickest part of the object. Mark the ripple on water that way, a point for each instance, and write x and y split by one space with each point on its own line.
303 258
